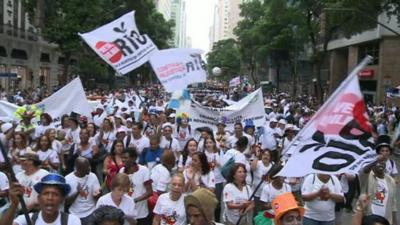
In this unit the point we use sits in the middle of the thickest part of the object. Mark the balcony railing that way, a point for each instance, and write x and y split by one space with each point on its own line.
18 33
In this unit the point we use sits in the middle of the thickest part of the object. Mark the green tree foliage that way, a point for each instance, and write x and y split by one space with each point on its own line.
60 21
226 56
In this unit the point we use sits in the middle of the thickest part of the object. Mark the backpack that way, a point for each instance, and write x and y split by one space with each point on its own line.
227 167
64 218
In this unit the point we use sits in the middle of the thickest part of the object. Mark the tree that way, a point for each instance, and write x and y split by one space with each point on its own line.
225 55
60 21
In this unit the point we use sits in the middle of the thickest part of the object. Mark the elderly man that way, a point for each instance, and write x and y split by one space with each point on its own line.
52 190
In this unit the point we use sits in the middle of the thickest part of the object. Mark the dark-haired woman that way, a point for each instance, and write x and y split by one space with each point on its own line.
45 123
199 174
106 215
113 162
185 159
236 197
47 155
18 148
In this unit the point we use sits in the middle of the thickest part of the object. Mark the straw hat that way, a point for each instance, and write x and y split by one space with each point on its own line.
204 200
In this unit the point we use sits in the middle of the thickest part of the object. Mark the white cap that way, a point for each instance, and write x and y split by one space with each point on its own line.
172 115
282 121
121 129
167 125
274 120
6 127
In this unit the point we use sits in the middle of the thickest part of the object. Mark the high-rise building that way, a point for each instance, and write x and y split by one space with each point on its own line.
26 60
178 15
226 18
164 7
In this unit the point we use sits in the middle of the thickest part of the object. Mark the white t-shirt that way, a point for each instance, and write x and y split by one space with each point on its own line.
165 143
84 205
317 209
4 183
182 136
138 179
50 155
40 130
160 177
108 139
206 180
187 163
232 194
391 168
379 200
231 141
217 157
260 171
72 220
269 193
140 144
267 139
30 195
239 158
127 205
171 212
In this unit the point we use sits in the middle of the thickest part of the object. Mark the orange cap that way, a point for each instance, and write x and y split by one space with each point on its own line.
284 203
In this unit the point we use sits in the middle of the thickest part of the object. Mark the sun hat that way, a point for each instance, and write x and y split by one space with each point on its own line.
204 200
54 180
284 203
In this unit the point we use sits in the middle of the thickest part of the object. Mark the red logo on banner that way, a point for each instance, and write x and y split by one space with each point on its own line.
109 50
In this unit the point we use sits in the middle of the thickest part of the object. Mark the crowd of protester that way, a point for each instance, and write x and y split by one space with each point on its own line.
144 164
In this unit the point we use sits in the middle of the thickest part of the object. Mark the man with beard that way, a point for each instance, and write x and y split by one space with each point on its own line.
52 191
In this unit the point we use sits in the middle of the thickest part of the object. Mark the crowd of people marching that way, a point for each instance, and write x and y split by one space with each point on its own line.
144 164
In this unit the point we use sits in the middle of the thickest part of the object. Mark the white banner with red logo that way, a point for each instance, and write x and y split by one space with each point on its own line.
176 68
250 107
234 82
338 138
120 44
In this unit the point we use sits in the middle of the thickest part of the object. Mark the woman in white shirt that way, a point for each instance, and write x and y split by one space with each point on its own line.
185 159
18 148
118 198
45 123
170 207
214 158
107 134
56 145
236 197
47 155
199 174
260 168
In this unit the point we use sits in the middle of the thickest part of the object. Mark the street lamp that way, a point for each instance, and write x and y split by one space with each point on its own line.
363 14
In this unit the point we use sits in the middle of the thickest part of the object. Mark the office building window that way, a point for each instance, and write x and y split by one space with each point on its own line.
370 48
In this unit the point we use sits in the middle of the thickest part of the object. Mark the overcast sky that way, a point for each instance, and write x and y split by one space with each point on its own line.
199 21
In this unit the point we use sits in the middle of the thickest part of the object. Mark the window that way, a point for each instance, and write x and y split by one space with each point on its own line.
370 48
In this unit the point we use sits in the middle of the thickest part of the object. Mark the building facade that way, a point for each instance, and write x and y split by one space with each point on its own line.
384 71
178 15
164 7
26 60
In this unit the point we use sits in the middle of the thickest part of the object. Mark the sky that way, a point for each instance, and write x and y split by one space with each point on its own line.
198 23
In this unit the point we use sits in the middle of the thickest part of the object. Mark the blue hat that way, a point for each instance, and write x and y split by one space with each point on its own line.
55 180
248 124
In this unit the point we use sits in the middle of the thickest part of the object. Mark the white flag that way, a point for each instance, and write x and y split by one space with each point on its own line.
234 82
120 44
177 68
338 137
70 98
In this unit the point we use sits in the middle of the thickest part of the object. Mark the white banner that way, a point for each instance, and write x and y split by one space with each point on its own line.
70 98
234 82
177 68
120 44
7 110
249 108
337 139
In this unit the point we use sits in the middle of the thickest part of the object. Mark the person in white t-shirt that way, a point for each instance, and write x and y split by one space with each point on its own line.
260 168
183 131
275 187
48 156
321 192
199 174
85 190
141 188
107 215
238 155
4 186
52 190
45 123
238 133
30 175
169 142
161 173
107 134
170 207
185 160
236 197
137 140
118 198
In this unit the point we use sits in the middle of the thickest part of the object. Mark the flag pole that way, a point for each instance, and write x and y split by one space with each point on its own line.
14 179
